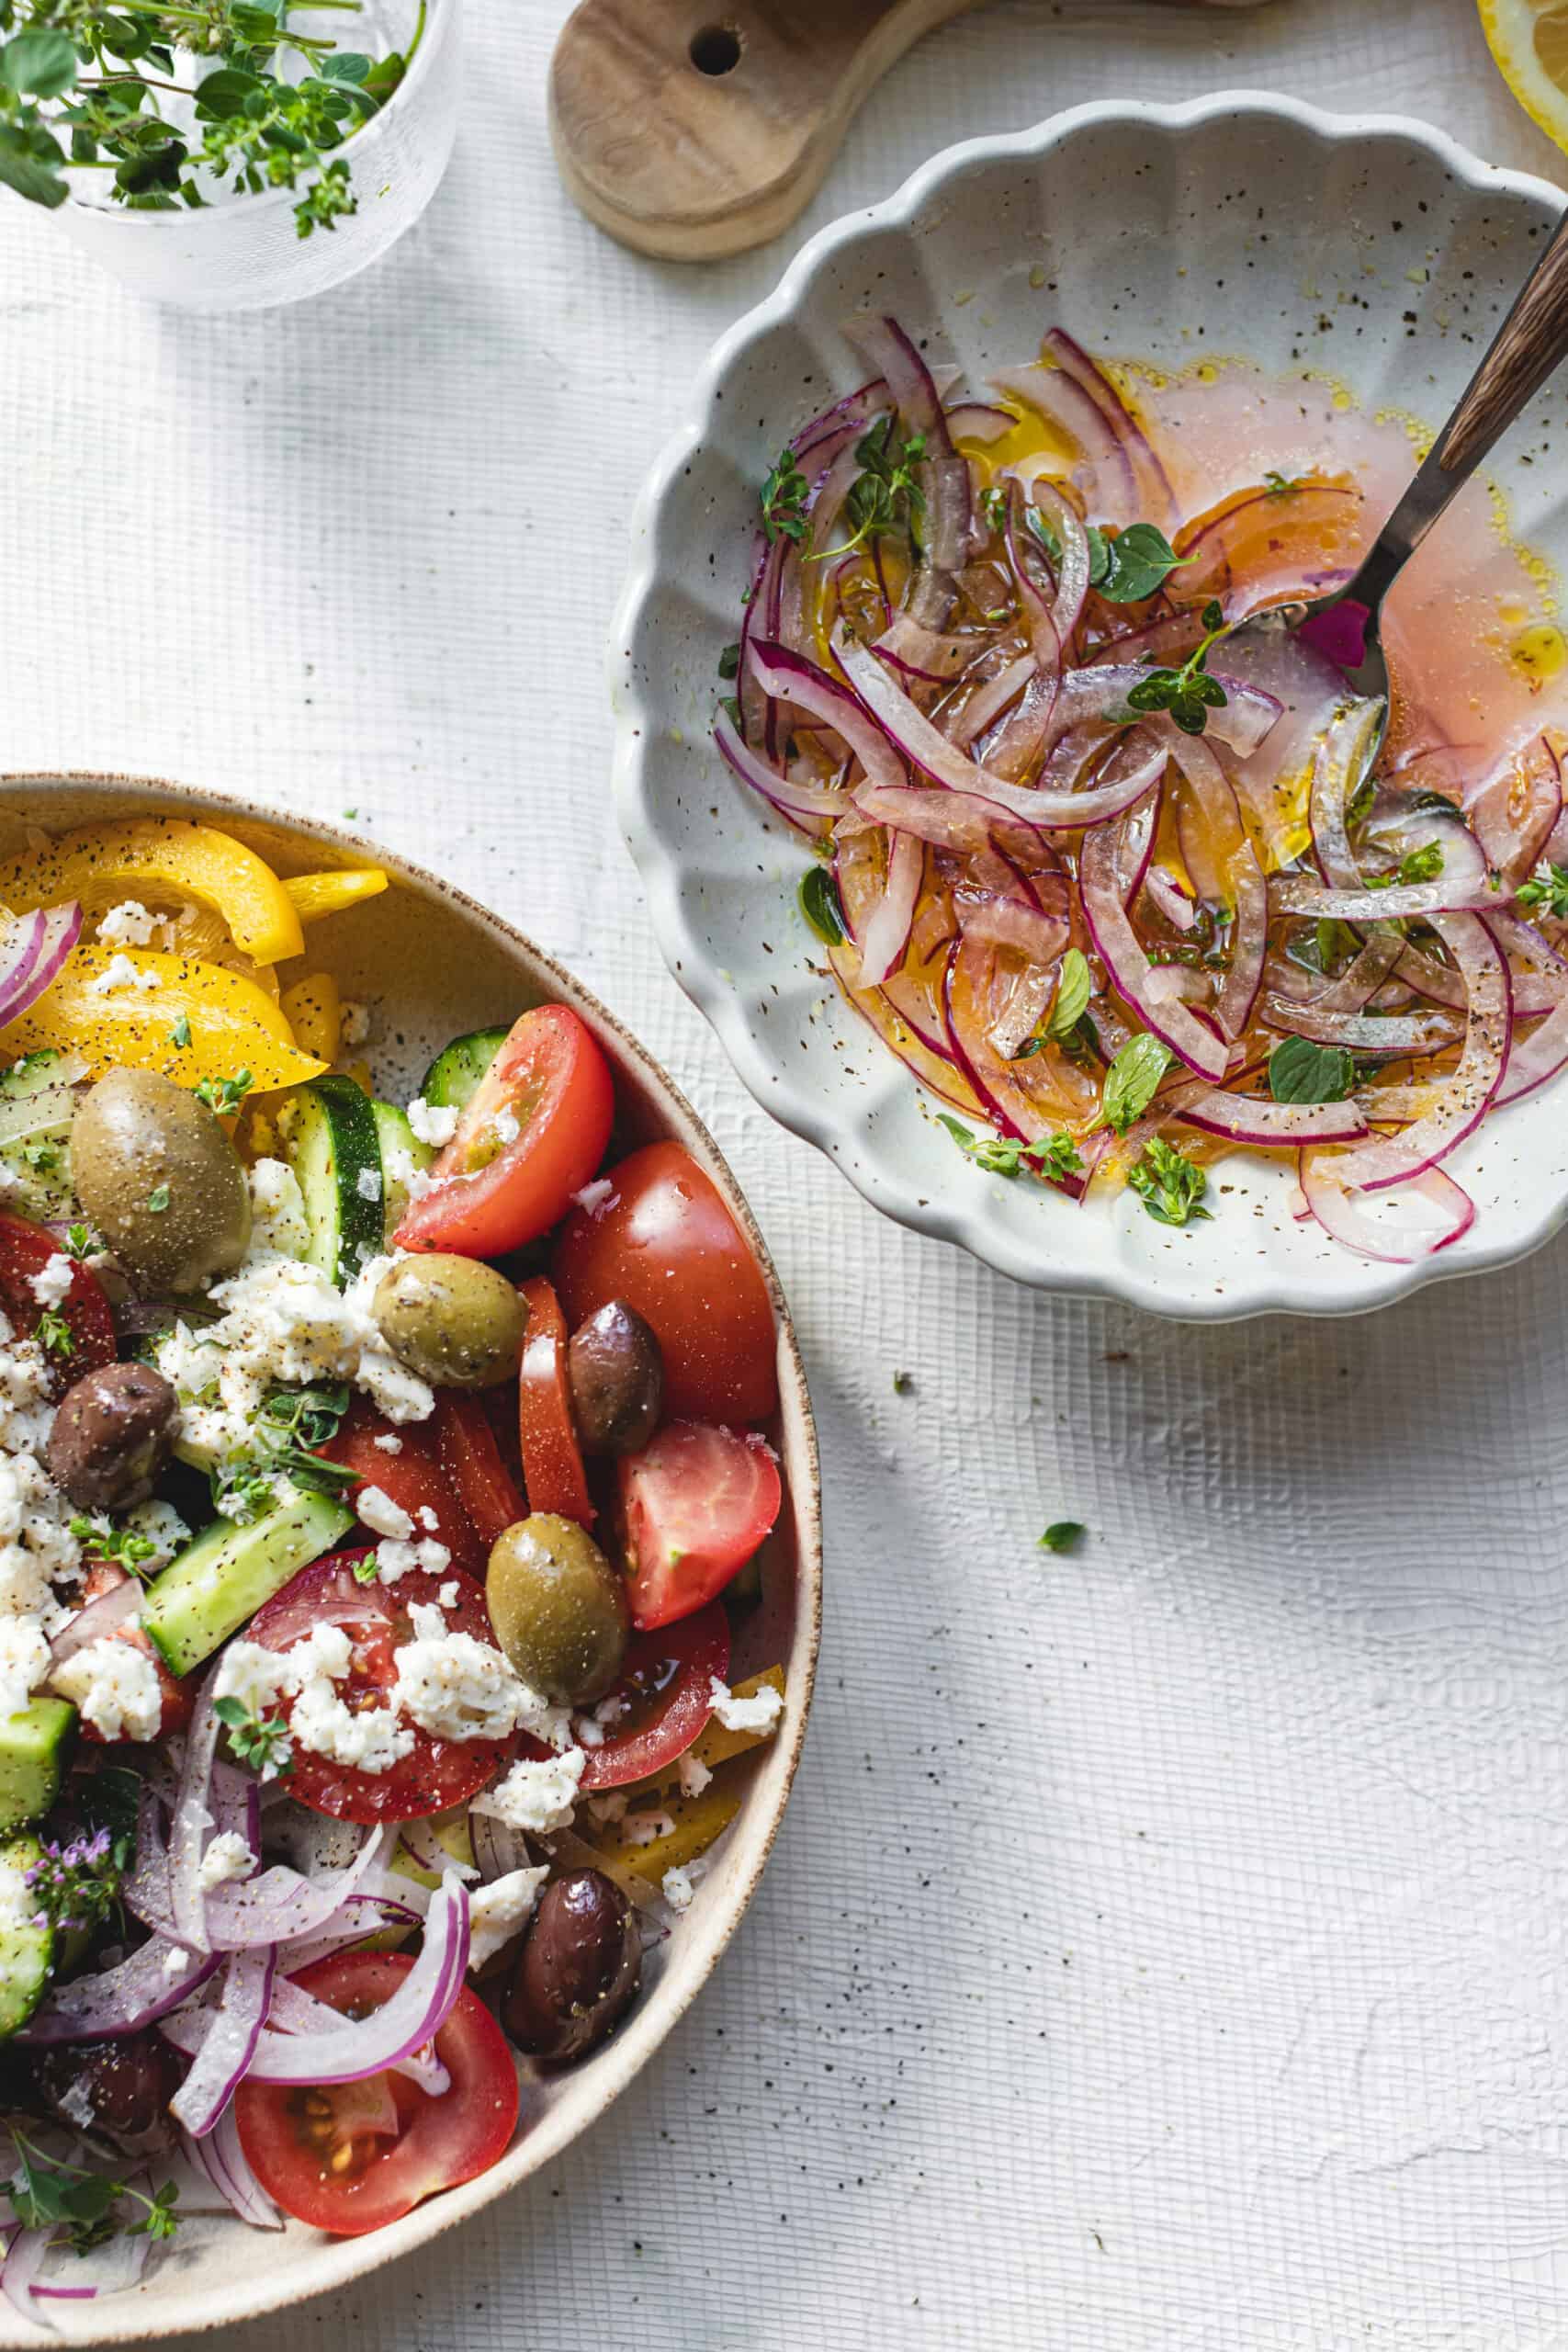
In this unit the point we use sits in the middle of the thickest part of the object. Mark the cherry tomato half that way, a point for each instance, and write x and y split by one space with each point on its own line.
696 1502
87 1341
414 1478
552 1460
532 1137
666 1682
665 1243
466 1445
403 2146
436 1772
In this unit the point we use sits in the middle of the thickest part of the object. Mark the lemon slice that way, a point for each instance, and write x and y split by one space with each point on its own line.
1530 40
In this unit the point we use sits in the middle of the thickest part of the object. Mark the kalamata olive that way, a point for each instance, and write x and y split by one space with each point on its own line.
455 1322
119 2088
559 1609
156 1174
617 1380
111 1436
578 1971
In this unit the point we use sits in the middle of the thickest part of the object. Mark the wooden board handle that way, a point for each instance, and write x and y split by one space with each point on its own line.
690 129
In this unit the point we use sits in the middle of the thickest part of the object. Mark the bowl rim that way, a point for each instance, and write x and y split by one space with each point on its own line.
146 2314
773 1085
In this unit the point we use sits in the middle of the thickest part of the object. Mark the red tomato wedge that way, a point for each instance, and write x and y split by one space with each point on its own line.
552 1460
414 1478
696 1502
494 1189
469 1453
178 1696
666 1682
665 1243
436 1772
87 1341
401 2144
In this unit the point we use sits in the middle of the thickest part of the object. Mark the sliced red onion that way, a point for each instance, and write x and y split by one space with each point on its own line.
985 704
1017 924
950 515
1533 1060
1249 1119
295 2012
1072 574
930 653
887 930
1514 814
220 2158
857 409
100 1617
1175 903
1372 1033
899 364
963 822
1120 951
413 2016
1399 1241
1361 978
1157 499
1246 889
228 2044
1052 394
137 1992
979 421
790 677
25 2256
1399 903
816 803
1215 538
1469 1091
362 1915
31 954
1534 991
1337 772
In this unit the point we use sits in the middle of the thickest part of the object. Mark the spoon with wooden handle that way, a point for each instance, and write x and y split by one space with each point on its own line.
690 129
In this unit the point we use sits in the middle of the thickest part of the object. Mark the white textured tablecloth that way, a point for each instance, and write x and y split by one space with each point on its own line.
1165 1947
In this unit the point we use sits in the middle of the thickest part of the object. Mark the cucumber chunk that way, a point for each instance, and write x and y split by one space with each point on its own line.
27 1951
453 1078
224 1576
38 1103
400 1149
335 1152
32 1744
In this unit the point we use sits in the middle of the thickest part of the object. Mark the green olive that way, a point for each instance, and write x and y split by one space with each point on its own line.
455 1322
559 1609
159 1178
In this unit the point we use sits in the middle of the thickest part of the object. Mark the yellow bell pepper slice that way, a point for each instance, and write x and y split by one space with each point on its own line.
233 1025
314 1012
698 1821
100 863
315 895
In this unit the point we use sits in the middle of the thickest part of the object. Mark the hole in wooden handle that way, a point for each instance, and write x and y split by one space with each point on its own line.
715 50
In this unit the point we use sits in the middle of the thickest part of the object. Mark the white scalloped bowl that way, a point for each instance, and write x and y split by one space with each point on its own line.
1370 247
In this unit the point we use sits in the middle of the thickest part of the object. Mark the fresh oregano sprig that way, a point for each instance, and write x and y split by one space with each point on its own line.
1188 694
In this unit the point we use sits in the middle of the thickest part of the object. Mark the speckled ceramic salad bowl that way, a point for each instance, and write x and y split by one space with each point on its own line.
1372 251
436 963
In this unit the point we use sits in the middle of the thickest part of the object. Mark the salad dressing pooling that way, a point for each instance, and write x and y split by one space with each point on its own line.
1112 874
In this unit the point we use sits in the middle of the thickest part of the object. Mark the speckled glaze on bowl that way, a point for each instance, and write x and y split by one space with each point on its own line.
433 963
1371 248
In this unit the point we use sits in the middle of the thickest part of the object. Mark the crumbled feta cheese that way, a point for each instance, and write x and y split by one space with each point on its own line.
368 1739
587 1732
434 1124
759 1712
38 1550
403 1172
428 1519
593 1197
227 1857
506 1127
119 972
678 1887
388 1442
694 1774
496 1912
354 1021
255 1676
131 924
394 1557
51 1284
76 2105
642 1828
114 1687
377 1511
160 1524
279 1226
455 1687
611 1807
450 1593
367 1183
24 1662
535 1795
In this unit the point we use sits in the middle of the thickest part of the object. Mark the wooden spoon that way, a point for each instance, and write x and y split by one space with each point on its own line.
694 127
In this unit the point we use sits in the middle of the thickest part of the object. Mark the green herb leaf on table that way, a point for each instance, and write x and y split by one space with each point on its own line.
1062 1535
1170 1185
1303 1072
1133 1081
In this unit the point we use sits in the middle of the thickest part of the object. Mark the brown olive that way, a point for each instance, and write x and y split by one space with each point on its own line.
578 1971
111 1436
616 1374
559 1609
156 1174
455 1321
119 2088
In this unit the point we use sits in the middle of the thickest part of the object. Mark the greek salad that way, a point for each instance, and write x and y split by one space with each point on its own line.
381 1484
1124 888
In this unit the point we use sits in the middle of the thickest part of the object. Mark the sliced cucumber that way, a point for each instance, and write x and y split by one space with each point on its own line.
400 1151
36 1105
453 1078
32 1748
224 1576
27 1951
335 1152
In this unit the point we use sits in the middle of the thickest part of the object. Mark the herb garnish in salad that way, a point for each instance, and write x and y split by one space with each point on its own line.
381 1519
1126 889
